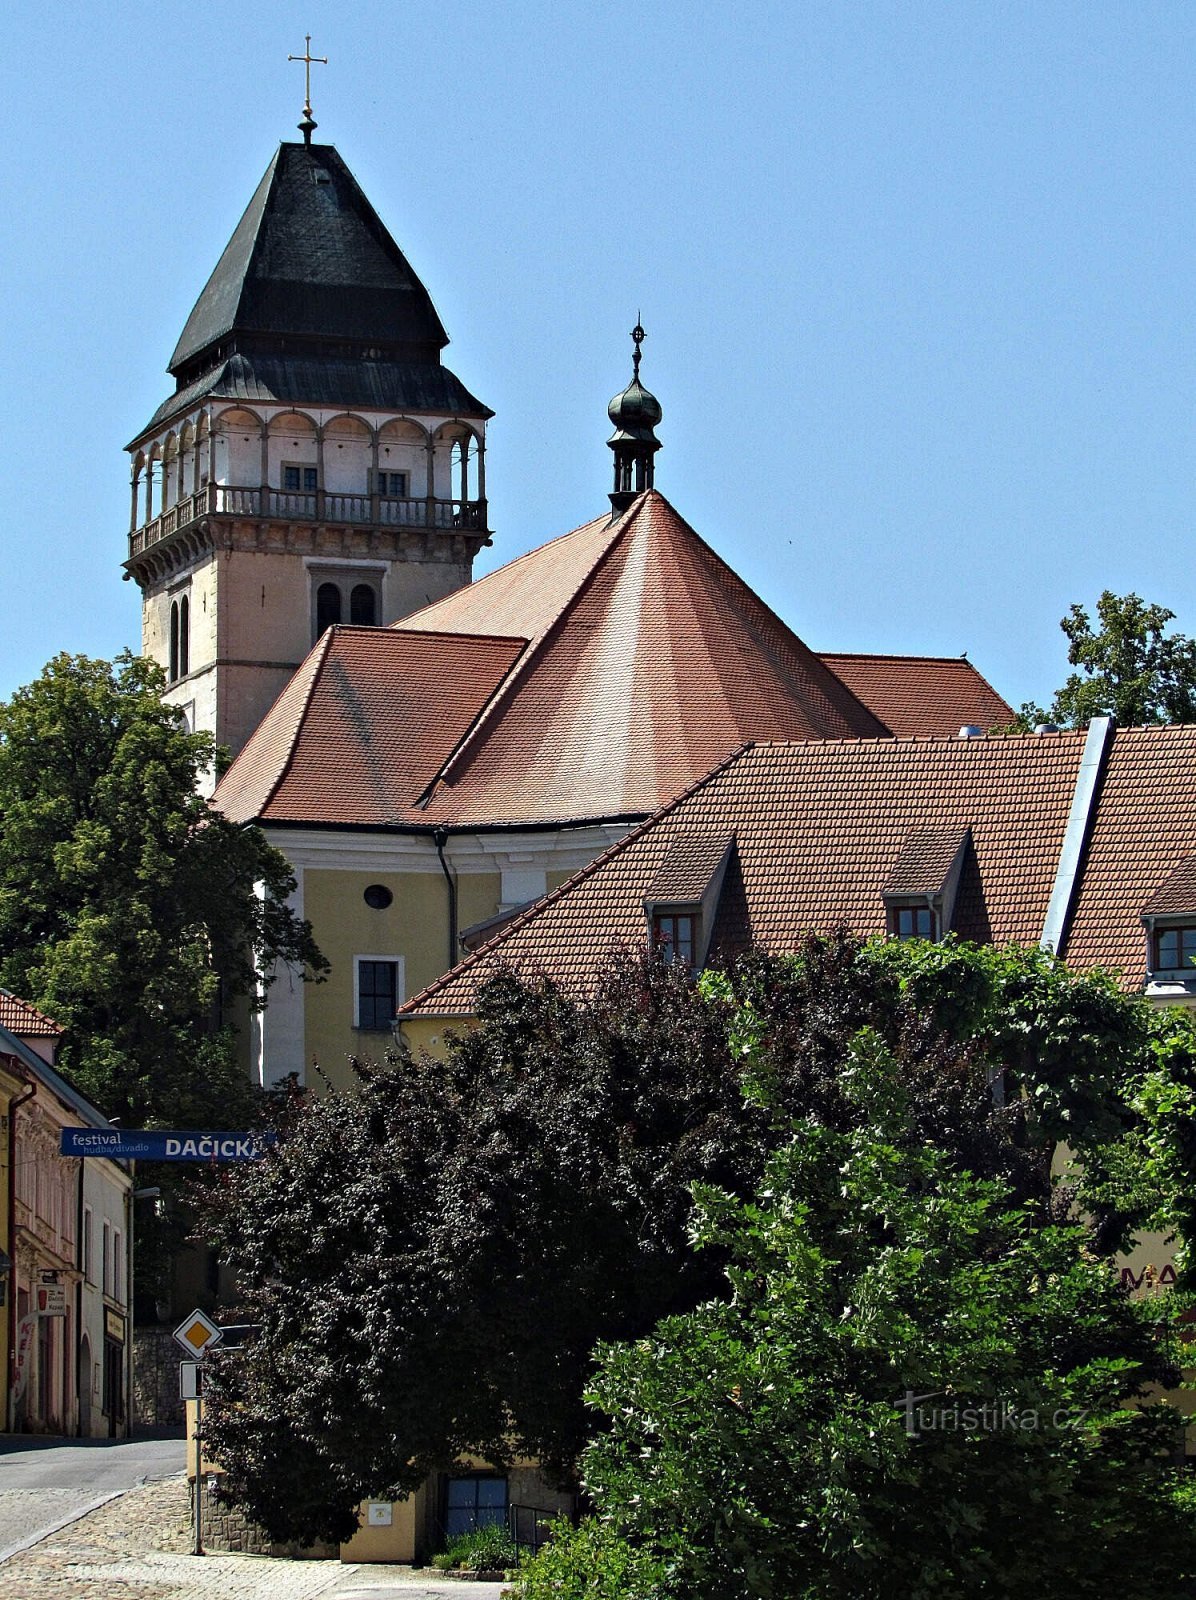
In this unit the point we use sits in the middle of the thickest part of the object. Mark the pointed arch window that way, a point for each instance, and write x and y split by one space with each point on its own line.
172 670
363 607
328 606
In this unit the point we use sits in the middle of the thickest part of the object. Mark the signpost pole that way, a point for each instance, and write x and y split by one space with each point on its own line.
199 1550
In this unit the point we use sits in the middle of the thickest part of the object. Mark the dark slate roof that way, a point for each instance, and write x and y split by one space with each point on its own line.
311 257
316 381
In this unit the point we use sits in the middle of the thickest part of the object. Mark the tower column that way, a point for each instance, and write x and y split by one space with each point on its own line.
133 512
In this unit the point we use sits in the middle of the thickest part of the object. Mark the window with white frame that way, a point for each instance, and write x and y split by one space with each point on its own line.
85 1249
117 1274
377 992
106 1259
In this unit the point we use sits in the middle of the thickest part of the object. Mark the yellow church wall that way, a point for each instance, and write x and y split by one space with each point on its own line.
413 930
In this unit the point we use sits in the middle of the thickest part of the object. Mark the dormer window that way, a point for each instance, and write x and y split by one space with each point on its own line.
919 895
1175 948
674 936
913 922
682 898
1169 917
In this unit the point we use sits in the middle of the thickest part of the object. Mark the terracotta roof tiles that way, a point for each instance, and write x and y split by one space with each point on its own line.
818 827
26 1021
363 726
916 695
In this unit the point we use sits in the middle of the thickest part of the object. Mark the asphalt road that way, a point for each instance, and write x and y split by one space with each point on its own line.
45 1483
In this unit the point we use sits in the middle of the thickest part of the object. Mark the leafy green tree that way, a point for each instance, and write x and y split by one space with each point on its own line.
128 909
432 1259
1130 667
913 1386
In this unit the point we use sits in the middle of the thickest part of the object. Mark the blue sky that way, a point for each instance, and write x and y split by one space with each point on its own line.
918 281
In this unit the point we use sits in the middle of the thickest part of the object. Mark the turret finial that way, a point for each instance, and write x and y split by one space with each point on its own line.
638 334
635 414
308 125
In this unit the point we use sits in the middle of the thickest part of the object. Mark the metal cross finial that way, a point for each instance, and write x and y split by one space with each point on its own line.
308 125
638 334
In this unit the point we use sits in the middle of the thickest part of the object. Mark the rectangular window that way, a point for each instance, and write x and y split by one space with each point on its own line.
673 936
912 922
106 1260
116 1265
298 480
86 1262
377 993
1175 948
474 1502
393 484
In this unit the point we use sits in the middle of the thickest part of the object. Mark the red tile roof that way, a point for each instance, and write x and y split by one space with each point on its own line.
661 663
819 828
1176 895
26 1021
1145 826
363 726
926 858
647 660
915 695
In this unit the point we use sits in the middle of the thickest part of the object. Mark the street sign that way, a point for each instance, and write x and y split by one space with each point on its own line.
50 1299
164 1144
190 1380
197 1334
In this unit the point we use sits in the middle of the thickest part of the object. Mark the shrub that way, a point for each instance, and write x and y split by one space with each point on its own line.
487 1549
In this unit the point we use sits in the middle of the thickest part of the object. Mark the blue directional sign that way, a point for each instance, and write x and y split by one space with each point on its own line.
122 1144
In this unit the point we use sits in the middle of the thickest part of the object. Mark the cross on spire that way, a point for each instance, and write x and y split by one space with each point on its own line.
308 125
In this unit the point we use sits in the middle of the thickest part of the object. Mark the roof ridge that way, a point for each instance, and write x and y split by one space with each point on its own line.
523 663
28 1005
390 632
401 626
896 655
775 616
323 645
541 905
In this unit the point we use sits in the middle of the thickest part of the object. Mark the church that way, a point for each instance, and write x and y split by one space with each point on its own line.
433 754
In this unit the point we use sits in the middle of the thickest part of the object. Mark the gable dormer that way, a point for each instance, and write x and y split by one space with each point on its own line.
1169 919
919 895
681 901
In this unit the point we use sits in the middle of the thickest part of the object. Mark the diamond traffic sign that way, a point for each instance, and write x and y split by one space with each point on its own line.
197 1334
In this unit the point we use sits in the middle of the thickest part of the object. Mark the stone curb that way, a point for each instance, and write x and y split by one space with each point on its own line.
64 1522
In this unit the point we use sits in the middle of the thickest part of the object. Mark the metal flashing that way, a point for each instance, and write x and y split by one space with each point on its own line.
1075 839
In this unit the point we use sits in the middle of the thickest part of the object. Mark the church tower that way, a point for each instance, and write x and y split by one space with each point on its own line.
317 462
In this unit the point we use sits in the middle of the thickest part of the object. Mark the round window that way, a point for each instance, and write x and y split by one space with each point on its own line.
378 897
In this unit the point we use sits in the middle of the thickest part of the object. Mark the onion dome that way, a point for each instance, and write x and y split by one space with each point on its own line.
636 411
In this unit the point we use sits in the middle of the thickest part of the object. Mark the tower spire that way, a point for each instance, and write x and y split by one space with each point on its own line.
308 125
635 414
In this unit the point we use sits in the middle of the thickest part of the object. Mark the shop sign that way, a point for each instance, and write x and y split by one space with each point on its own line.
50 1299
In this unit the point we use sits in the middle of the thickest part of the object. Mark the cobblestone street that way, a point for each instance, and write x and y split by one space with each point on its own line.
136 1546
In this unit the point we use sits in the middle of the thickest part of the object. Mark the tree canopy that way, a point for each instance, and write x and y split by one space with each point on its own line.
1130 667
431 1260
912 1386
130 911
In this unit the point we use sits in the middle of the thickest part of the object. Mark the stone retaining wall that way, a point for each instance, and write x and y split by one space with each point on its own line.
156 1358
226 1527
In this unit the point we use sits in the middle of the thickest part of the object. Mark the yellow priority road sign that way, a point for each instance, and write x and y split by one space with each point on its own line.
197 1334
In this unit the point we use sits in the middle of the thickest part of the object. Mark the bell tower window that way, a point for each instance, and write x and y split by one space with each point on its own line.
363 606
180 639
328 606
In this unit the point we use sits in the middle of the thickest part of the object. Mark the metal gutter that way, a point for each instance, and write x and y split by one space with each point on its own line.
1079 825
